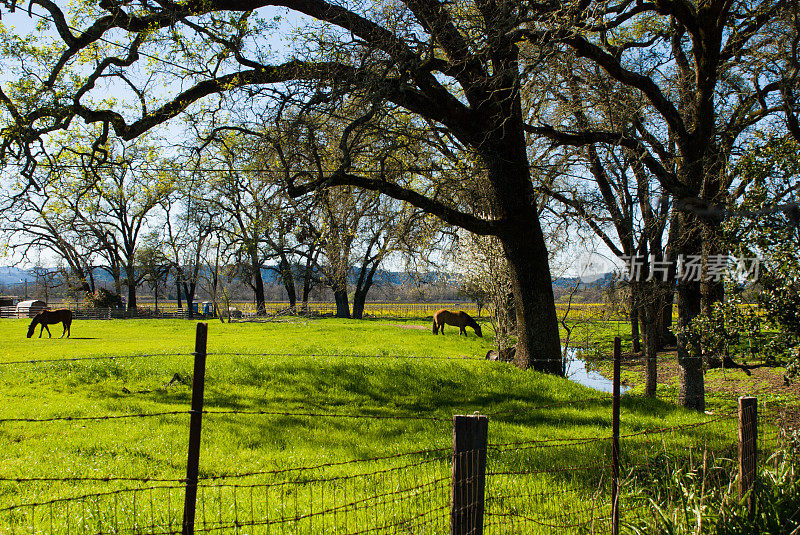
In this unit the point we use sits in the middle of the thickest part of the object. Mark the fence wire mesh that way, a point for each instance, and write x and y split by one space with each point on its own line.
542 486
400 494
558 486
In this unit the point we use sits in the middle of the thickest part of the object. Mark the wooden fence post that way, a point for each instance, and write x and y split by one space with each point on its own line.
467 489
748 449
615 440
195 426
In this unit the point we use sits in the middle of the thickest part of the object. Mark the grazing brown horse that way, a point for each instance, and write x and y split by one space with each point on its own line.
459 319
49 317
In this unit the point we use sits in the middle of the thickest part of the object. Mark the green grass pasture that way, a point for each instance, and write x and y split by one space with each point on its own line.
304 408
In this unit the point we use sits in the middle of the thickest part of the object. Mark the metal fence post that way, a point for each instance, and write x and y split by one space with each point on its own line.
195 426
748 450
467 489
615 440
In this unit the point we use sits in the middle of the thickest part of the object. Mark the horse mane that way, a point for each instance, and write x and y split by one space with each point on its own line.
36 320
474 324
470 321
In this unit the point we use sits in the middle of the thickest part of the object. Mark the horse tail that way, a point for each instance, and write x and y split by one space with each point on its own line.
435 327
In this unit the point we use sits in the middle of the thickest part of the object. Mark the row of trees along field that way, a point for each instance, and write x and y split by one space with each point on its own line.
212 219
498 117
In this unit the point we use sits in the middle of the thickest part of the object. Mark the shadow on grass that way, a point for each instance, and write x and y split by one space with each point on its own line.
401 406
525 400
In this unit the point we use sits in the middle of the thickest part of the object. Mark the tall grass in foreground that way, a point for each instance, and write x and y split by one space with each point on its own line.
703 499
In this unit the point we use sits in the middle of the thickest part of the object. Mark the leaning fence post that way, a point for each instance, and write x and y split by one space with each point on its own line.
195 426
748 449
469 474
615 440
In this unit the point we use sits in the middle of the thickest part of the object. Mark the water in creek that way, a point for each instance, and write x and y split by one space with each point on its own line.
578 371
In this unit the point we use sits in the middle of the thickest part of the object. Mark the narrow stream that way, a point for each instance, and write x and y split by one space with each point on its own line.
577 371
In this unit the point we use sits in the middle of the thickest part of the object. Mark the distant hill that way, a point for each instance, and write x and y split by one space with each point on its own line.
13 275
600 281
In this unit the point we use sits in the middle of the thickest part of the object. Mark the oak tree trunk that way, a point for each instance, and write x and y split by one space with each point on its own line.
359 301
287 278
634 319
130 281
650 317
188 290
258 285
342 303
666 336
131 296
691 389
538 342
506 158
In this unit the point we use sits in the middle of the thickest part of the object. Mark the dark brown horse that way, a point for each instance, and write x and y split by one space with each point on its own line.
49 317
459 319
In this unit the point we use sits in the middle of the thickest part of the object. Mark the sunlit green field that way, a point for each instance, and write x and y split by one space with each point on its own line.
295 394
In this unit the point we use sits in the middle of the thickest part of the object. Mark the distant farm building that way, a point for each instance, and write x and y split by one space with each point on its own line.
7 308
28 309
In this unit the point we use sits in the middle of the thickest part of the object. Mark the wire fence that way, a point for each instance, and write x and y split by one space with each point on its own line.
243 311
247 311
549 485
409 492
559 486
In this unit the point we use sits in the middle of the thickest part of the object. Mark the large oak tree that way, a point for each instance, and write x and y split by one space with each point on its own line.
455 68
707 74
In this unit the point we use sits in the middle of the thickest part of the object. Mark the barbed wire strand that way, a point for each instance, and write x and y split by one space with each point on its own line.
100 357
94 418
231 412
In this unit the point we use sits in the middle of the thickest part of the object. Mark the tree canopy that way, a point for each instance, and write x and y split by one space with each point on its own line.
490 92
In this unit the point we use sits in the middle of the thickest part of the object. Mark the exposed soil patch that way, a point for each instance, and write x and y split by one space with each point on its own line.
728 383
